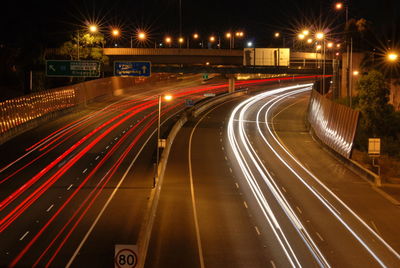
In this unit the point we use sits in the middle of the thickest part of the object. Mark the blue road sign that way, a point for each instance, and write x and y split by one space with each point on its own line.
132 68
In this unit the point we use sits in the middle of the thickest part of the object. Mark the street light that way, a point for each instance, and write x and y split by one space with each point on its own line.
115 32
141 36
339 6
277 35
306 32
168 40
319 35
93 28
309 40
166 97
301 36
392 56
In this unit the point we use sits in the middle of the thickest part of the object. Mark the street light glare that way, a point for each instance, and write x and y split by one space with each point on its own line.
393 56
339 6
356 73
330 44
301 36
277 34
168 97
319 35
228 35
93 28
115 32
195 36
309 40
249 44
306 32
180 40
142 36
212 39
318 47
168 40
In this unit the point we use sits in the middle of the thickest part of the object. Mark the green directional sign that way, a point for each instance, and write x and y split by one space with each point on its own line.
72 68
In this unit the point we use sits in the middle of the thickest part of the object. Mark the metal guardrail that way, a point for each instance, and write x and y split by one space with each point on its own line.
334 124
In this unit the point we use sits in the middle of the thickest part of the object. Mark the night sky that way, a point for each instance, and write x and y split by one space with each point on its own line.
51 22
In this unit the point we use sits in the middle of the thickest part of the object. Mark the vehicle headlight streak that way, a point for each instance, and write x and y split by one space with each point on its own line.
259 196
241 109
330 207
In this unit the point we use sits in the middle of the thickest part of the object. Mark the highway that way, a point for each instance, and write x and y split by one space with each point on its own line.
247 186
73 188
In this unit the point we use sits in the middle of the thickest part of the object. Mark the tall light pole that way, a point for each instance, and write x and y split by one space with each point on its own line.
167 98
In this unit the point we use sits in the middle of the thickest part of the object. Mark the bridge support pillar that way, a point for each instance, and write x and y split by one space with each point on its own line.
231 88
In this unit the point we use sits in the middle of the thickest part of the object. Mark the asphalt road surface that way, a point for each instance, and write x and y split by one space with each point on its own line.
246 186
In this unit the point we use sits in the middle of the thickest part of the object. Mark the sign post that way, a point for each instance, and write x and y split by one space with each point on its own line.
126 256
374 151
72 68
132 68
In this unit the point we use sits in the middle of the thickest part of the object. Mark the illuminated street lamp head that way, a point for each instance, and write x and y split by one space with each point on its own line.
168 40
338 45
301 36
250 44
356 73
319 35
92 28
167 97
142 36
339 5
180 40
195 36
277 34
392 56
309 40
239 34
318 47
330 45
212 38
306 32
228 35
115 32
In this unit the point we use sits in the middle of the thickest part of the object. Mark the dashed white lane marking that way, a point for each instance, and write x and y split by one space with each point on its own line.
272 173
69 187
84 171
97 157
123 132
237 185
108 146
258 231
283 188
245 204
299 210
226 158
222 148
220 140
272 263
22 237
50 208
319 236
116 138
230 170
131 126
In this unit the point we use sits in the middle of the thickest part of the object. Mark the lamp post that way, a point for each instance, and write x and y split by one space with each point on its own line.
166 97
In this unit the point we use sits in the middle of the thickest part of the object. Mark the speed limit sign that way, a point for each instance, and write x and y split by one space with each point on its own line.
125 256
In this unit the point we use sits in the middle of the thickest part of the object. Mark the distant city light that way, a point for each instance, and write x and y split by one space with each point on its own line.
180 40
306 32
212 38
318 47
250 44
228 35
277 34
330 45
168 97
309 40
168 40
195 36
301 36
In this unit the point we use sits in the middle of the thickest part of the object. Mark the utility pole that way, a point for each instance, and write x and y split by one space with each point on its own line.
180 18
